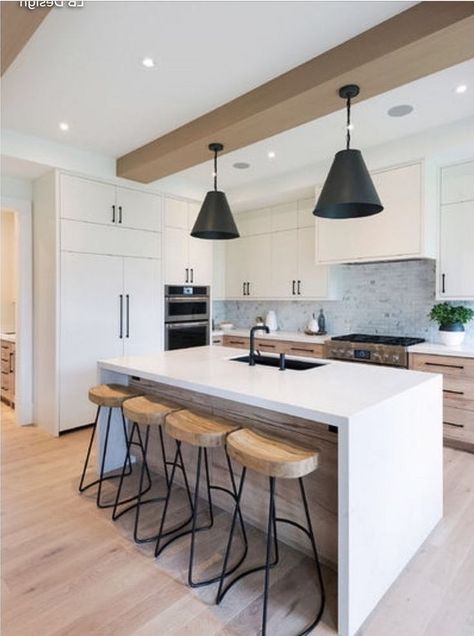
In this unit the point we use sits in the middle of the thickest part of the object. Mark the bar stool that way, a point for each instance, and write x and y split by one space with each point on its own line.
110 396
151 412
203 432
275 459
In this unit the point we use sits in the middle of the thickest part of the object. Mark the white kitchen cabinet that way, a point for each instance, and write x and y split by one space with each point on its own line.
98 290
314 281
89 329
110 306
457 183
142 320
77 236
92 201
401 230
284 272
219 270
455 265
254 222
188 260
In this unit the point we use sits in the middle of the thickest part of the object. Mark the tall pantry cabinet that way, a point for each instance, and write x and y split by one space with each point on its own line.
98 288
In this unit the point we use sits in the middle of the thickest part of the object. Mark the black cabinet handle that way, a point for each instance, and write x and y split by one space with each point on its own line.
187 275
299 288
120 213
443 283
11 362
127 298
192 274
113 214
293 283
243 289
121 316
248 288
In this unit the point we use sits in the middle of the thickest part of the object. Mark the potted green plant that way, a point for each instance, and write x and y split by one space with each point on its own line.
451 320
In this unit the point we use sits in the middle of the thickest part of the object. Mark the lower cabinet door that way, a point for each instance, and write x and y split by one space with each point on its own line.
90 329
143 300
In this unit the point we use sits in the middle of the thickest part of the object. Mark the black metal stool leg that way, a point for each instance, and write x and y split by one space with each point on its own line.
163 455
102 463
270 528
89 449
195 513
161 534
316 558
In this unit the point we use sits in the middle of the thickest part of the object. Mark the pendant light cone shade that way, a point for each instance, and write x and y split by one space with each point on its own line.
348 192
215 220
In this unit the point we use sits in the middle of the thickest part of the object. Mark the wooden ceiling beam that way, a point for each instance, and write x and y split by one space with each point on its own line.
422 40
18 25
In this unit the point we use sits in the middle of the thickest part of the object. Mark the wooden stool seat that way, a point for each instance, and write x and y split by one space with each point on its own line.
206 431
148 410
111 395
270 457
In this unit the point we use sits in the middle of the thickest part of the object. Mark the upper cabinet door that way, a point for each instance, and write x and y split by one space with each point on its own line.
176 247
313 280
236 267
258 258
284 264
200 261
85 200
138 210
457 183
456 266
394 233
176 213
142 319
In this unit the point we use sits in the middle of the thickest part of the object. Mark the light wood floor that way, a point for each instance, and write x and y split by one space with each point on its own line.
67 569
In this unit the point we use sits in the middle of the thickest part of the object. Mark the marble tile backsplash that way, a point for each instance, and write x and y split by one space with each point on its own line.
392 298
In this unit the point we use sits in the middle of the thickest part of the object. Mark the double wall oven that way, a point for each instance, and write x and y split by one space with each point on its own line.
187 316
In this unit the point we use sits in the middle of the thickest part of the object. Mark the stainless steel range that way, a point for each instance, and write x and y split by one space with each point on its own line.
357 347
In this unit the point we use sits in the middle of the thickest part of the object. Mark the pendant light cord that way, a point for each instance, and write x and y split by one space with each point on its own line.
348 132
215 170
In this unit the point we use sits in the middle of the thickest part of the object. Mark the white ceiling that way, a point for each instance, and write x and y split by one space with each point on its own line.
83 66
433 98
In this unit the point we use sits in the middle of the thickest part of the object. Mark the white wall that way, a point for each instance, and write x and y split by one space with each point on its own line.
8 273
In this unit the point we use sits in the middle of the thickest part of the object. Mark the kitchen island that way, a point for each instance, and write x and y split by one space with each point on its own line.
377 493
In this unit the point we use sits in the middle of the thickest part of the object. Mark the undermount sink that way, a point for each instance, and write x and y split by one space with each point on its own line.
290 363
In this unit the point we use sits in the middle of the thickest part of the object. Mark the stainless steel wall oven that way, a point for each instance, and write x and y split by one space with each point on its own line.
187 316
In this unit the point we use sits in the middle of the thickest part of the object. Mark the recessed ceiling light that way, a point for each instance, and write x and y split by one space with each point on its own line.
64 126
400 111
462 88
148 62
271 155
241 165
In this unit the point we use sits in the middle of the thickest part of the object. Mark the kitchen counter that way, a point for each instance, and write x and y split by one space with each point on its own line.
438 349
291 336
378 489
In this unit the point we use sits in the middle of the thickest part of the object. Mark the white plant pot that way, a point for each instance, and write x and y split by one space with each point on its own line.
451 338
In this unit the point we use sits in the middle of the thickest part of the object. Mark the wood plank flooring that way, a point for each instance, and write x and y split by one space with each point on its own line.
67 569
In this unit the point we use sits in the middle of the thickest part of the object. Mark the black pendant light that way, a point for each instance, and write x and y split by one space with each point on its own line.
215 220
348 192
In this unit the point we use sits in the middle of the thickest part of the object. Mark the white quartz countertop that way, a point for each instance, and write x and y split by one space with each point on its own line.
8 337
437 349
293 336
330 394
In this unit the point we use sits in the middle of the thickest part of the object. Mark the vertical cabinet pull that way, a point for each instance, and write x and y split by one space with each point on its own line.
443 283
192 274
113 214
243 289
299 288
11 362
120 213
121 316
127 313
248 288
187 275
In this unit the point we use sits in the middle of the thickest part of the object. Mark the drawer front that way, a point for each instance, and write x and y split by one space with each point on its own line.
303 349
272 346
449 366
5 366
236 342
6 383
458 392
